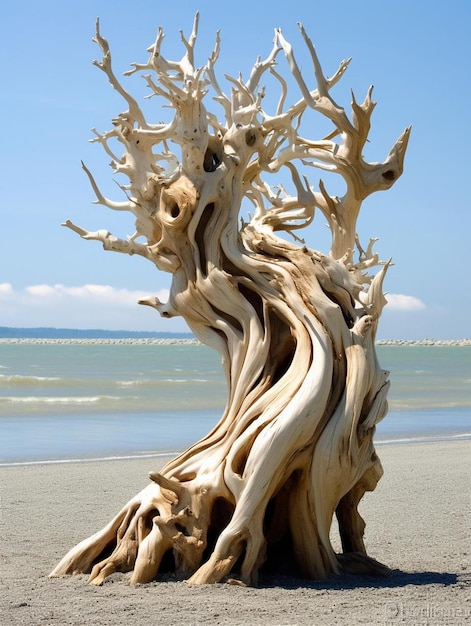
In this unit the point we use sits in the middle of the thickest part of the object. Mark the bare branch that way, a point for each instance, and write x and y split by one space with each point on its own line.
188 61
105 65
110 242
261 67
288 50
111 204
103 138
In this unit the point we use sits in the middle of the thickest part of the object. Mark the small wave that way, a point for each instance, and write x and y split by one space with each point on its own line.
57 399
428 404
423 439
185 380
148 382
155 382
118 457
135 383
19 379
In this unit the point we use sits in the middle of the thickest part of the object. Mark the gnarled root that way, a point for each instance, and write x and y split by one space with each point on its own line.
211 540
137 539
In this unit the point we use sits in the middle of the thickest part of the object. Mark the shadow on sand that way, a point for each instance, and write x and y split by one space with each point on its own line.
397 578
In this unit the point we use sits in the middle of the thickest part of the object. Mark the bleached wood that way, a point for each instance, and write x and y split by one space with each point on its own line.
295 328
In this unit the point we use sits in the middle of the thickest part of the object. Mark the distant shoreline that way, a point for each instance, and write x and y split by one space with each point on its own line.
193 341
51 332
52 335
423 342
101 340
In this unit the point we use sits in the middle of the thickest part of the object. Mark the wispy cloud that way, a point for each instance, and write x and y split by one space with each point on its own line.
87 293
85 306
5 289
401 302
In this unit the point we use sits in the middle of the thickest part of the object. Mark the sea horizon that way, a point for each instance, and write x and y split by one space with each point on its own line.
51 333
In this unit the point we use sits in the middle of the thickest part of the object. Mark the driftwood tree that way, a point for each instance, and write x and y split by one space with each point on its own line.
295 328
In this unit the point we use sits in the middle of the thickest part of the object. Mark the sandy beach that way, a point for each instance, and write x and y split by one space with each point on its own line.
418 523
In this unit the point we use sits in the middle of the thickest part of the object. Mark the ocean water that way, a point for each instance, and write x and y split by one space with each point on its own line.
64 401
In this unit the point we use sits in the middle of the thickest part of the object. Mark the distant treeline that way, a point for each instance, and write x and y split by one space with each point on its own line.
77 333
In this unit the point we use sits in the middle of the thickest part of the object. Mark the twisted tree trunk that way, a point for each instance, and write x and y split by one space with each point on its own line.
295 328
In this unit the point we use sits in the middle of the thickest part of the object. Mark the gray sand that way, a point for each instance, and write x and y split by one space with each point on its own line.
418 523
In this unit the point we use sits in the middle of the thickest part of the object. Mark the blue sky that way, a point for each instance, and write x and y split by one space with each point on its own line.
416 54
